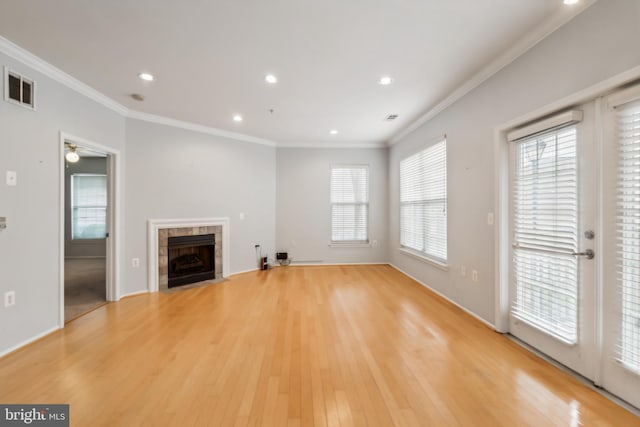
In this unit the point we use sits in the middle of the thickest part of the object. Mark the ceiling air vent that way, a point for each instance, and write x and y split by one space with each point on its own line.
391 117
19 90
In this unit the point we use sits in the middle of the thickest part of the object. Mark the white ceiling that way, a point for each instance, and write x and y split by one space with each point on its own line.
210 57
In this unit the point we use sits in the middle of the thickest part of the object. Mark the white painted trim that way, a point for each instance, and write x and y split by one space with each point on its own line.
29 341
151 118
501 181
154 225
133 294
114 241
345 144
519 48
466 310
244 271
561 119
329 264
599 226
624 96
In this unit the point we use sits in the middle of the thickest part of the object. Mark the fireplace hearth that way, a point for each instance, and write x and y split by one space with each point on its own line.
190 259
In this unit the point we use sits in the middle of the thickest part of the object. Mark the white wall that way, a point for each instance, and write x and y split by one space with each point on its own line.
80 247
30 246
598 44
303 226
178 174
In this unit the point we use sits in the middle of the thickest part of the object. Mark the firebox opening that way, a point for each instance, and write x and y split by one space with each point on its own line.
191 259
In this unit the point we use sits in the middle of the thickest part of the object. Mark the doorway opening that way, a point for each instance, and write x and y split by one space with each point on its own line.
87 219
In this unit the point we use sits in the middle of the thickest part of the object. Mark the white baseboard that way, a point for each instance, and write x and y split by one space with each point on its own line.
132 294
329 264
466 310
243 271
29 341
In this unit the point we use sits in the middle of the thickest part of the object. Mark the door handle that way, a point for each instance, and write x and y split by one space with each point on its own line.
589 254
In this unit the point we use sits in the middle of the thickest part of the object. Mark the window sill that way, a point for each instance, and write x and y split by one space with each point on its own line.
349 245
424 259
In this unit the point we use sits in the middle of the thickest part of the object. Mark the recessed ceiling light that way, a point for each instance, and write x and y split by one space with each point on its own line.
385 80
237 118
333 131
146 77
571 1
271 79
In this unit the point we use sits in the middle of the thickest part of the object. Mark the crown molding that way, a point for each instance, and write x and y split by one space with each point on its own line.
345 144
22 55
524 44
152 118
29 59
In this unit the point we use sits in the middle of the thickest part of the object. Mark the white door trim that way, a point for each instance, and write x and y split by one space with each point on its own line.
114 172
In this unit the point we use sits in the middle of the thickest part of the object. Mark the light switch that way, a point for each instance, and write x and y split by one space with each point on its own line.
12 178
241 215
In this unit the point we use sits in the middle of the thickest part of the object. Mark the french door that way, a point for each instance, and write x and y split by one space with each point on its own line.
620 368
552 235
574 226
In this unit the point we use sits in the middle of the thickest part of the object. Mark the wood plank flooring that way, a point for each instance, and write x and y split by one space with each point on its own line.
297 346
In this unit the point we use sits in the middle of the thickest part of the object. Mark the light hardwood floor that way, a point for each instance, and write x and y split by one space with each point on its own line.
297 346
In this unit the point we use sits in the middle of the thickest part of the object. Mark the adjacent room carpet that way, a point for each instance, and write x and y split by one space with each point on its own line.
84 285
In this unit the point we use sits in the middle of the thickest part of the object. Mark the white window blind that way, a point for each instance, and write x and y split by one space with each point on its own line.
88 206
545 232
423 202
350 204
628 229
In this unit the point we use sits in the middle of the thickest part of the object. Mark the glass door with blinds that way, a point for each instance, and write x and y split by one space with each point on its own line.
552 271
620 366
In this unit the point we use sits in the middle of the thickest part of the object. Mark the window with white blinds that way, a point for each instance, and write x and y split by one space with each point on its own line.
545 232
88 206
423 202
350 204
628 229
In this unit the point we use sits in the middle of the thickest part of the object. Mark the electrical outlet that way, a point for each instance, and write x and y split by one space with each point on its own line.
242 216
9 298
135 262
474 275
463 271
490 218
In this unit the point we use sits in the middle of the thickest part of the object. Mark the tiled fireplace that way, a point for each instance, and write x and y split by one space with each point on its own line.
194 256
186 251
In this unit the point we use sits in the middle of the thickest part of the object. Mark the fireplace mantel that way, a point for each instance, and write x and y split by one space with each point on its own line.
153 227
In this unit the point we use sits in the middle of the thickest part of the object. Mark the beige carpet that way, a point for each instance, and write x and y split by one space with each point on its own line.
84 285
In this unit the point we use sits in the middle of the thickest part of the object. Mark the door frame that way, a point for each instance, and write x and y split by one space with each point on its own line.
114 215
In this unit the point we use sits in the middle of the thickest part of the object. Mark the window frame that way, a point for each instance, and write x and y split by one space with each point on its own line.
406 250
350 243
72 207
